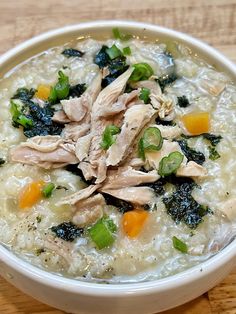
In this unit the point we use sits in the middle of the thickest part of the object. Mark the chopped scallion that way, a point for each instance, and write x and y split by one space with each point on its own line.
61 89
170 164
102 233
144 95
127 51
108 136
179 245
151 140
19 118
118 35
142 71
48 189
113 52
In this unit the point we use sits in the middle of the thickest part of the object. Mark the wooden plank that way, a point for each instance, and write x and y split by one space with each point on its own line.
213 21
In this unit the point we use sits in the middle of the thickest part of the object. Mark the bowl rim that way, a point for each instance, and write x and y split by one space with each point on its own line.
119 289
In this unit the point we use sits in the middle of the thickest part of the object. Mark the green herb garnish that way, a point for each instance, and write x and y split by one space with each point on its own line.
108 136
127 51
180 245
118 35
61 89
144 95
18 118
213 154
170 164
151 140
142 71
102 233
48 189
113 52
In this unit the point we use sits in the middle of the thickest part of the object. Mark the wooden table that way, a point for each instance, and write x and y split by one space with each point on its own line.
213 21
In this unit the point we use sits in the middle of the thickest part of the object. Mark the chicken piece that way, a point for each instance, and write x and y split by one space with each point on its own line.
88 211
121 104
60 117
75 108
229 208
126 176
168 132
152 85
88 171
78 196
82 147
45 151
140 195
135 162
73 131
191 169
109 95
162 104
136 117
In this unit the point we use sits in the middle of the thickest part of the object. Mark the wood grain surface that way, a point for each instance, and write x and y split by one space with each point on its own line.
213 21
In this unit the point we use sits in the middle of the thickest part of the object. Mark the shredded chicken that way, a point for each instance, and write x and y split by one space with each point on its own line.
82 147
73 131
168 132
138 195
78 196
152 85
45 151
191 169
125 177
88 211
163 104
60 117
136 117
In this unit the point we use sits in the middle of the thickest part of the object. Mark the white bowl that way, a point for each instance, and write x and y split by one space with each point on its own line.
76 296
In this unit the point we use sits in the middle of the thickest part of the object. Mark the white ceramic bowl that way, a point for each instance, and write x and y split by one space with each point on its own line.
140 298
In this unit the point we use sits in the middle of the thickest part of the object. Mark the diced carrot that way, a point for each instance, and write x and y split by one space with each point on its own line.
30 194
43 92
197 123
133 222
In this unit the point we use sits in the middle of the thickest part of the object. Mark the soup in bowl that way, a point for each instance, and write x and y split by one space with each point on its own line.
117 159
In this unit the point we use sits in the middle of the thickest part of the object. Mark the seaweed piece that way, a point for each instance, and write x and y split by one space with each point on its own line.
102 59
213 154
163 122
67 231
166 80
183 101
77 90
116 67
212 138
181 206
190 153
71 52
24 94
2 161
157 186
122 206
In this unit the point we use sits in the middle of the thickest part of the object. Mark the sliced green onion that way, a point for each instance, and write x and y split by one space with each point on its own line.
127 51
108 136
179 245
113 52
141 152
61 89
18 117
144 95
152 139
118 35
48 189
102 233
170 164
213 153
142 71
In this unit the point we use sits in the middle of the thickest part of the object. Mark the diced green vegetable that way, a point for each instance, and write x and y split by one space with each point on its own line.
127 51
141 152
113 52
102 233
170 164
18 118
118 35
144 95
213 154
48 189
180 245
61 89
108 136
152 139
142 71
